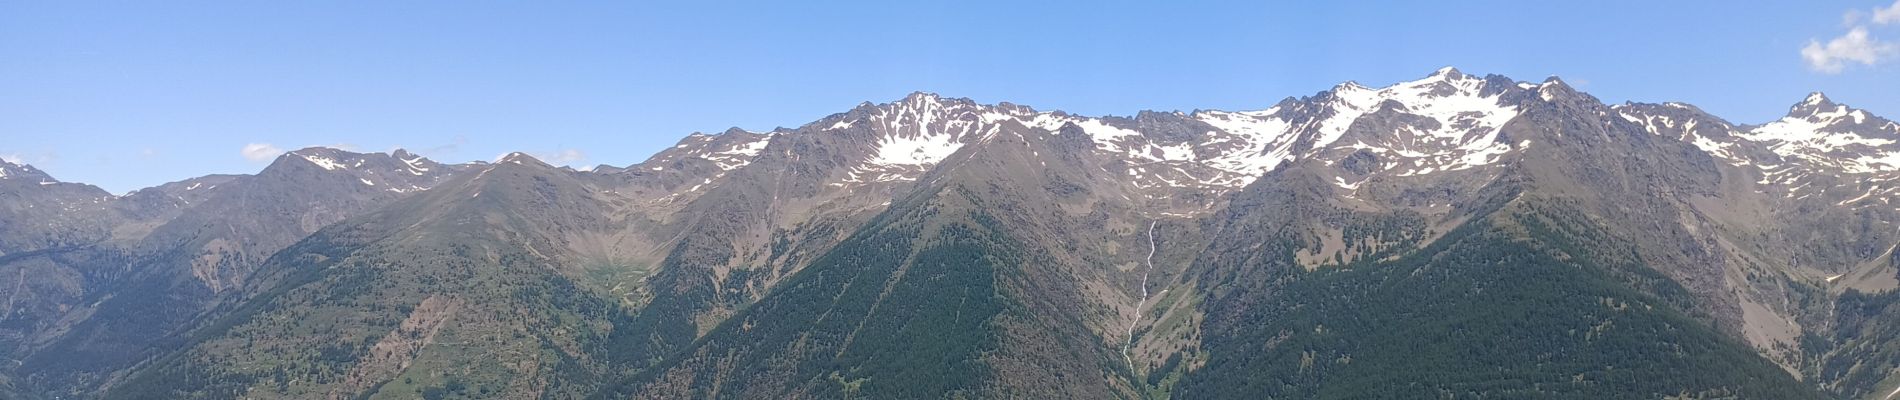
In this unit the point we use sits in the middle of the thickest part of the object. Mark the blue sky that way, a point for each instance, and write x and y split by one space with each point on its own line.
127 95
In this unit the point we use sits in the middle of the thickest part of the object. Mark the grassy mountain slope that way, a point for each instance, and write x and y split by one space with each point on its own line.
457 293
953 291
1535 302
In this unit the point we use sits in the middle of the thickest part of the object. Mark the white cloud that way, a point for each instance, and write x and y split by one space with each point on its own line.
563 157
1855 46
449 147
24 159
1888 15
260 152
558 157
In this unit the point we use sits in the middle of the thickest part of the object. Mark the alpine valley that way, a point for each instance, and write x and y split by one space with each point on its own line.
1455 236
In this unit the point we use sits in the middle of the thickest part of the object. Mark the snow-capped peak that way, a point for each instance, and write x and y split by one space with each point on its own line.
10 170
23 172
1553 88
1261 140
517 158
322 157
923 129
1467 115
1825 133
919 99
1818 108
729 150
1450 119
417 165
736 147
1817 117
396 171
1814 99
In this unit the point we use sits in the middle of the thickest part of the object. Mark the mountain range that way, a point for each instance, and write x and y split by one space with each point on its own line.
1455 236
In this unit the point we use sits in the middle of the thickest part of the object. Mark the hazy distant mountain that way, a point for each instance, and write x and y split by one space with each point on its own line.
118 276
1452 236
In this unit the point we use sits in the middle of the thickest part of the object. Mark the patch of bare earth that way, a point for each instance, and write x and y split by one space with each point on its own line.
396 350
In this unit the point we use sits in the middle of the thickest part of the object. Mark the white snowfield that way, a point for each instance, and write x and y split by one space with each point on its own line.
924 129
321 161
1447 121
383 178
1817 137
739 154
1822 138
416 165
921 131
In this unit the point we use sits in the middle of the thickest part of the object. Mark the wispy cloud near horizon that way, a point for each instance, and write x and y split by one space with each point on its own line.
260 152
563 157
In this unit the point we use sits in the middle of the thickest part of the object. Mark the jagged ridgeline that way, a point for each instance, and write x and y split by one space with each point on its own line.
1456 236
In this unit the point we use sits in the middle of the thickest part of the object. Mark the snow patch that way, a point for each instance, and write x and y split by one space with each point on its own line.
738 155
415 165
1468 121
323 162
921 150
1817 138
1265 141
1341 182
